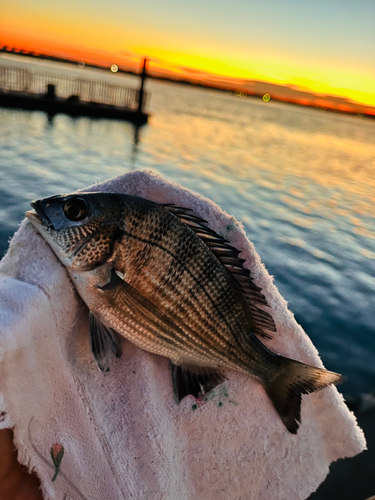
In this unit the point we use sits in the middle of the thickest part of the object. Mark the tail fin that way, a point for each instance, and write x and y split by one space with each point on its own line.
296 379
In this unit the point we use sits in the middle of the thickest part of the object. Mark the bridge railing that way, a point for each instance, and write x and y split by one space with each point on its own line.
23 80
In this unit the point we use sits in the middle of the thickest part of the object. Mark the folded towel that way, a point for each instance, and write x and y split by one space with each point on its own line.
120 435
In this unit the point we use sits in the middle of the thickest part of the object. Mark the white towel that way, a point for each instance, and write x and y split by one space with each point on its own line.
122 435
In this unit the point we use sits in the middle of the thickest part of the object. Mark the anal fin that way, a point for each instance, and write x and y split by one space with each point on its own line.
104 342
193 380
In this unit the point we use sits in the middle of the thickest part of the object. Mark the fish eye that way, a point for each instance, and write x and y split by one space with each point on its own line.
76 209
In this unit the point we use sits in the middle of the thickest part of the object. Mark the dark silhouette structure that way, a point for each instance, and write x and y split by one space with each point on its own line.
19 88
141 96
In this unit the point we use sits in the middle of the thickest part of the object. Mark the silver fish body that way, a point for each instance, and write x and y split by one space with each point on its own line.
160 277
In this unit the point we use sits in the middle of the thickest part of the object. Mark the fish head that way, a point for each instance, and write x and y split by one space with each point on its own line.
79 227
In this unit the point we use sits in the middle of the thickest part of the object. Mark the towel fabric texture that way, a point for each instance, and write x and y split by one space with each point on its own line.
120 435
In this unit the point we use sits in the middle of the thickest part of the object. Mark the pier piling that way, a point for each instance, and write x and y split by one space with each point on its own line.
141 89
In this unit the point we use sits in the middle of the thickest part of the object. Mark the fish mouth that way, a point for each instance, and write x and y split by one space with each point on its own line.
38 217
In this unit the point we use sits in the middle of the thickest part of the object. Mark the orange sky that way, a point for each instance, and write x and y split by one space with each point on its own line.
320 50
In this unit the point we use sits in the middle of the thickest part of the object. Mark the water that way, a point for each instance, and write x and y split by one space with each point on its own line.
301 181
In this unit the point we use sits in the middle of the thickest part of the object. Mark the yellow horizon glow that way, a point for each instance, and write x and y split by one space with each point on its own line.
316 77
331 83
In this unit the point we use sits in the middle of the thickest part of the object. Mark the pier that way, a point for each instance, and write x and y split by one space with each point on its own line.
24 89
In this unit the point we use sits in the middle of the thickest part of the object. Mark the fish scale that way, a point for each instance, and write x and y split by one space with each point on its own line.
202 305
160 277
161 288
171 301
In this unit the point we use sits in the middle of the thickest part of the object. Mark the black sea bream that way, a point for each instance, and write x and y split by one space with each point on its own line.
160 277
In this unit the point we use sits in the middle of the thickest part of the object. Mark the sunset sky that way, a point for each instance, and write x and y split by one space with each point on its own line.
323 46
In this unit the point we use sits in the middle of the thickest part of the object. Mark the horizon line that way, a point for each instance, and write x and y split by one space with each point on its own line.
205 79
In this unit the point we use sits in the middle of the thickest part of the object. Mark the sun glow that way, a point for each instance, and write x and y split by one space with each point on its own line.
323 80
90 37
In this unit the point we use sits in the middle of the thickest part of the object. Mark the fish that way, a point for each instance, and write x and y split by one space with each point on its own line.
160 277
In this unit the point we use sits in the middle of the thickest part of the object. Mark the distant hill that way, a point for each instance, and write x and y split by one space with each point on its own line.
290 94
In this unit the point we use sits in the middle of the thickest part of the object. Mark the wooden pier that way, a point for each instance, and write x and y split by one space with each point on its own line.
23 89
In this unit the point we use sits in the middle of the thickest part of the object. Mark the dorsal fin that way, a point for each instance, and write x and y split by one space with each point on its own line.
228 256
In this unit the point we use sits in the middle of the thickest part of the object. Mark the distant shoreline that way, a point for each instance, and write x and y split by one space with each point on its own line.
186 82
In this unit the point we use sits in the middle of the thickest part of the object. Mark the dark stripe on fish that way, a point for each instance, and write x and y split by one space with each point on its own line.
137 303
198 284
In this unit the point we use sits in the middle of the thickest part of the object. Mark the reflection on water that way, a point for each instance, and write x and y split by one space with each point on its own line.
300 180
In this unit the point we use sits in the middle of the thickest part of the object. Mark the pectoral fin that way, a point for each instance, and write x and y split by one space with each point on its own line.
193 380
104 343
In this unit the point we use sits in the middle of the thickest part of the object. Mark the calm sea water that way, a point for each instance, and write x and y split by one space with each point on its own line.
301 181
